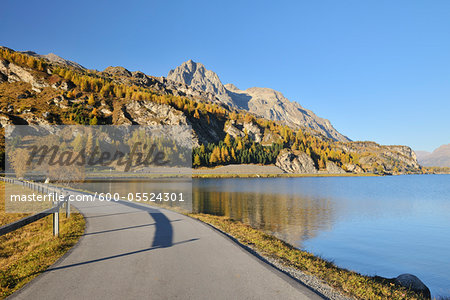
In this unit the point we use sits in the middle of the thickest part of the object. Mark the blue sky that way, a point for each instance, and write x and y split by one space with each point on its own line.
378 70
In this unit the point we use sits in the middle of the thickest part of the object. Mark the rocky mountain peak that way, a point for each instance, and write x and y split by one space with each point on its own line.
261 101
198 77
231 87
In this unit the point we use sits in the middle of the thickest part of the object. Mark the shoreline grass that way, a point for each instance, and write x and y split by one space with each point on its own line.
347 282
27 252
283 175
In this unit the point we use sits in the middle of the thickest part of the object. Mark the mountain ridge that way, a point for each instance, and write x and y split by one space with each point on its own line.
55 59
34 90
440 157
261 101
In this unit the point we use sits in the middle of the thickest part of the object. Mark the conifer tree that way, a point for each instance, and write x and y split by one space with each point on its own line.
227 140
196 162
91 100
196 114
215 156
239 145
93 121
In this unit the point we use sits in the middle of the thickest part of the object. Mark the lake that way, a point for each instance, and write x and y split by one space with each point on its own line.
382 226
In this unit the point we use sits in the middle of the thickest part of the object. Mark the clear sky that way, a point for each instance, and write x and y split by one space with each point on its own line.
378 70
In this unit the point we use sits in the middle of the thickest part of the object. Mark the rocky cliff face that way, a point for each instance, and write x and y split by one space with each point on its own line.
296 163
12 73
381 159
332 168
264 102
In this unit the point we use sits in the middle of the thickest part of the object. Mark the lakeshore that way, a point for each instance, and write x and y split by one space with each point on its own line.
320 275
280 253
257 170
317 273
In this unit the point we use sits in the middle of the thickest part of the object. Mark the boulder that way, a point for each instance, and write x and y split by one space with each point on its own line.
106 111
64 85
298 162
67 85
253 131
332 168
353 168
33 119
413 283
236 129
232 130
5 120
60 101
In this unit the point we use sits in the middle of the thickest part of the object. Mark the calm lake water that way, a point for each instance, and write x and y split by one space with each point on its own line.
382 226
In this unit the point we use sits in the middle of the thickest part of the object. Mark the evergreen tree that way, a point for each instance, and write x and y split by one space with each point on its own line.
215 156
93 121
227 140
196 114
197 161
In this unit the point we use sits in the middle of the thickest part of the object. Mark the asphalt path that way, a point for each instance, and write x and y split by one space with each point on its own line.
135 251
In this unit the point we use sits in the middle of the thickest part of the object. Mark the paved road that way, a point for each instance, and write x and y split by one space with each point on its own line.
134 251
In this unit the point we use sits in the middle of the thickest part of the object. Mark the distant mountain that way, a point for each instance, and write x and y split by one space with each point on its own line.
264 102
438 158
421 154
55 59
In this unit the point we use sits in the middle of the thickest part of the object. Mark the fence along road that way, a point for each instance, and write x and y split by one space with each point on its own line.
54 210
134 251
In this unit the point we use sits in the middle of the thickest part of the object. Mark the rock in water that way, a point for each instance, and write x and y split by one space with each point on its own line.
414 284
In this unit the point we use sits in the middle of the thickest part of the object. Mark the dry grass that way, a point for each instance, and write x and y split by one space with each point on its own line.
348 282
283 175
27 252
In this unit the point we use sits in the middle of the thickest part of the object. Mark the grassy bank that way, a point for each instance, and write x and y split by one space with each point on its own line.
348 282
27 252
284 175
